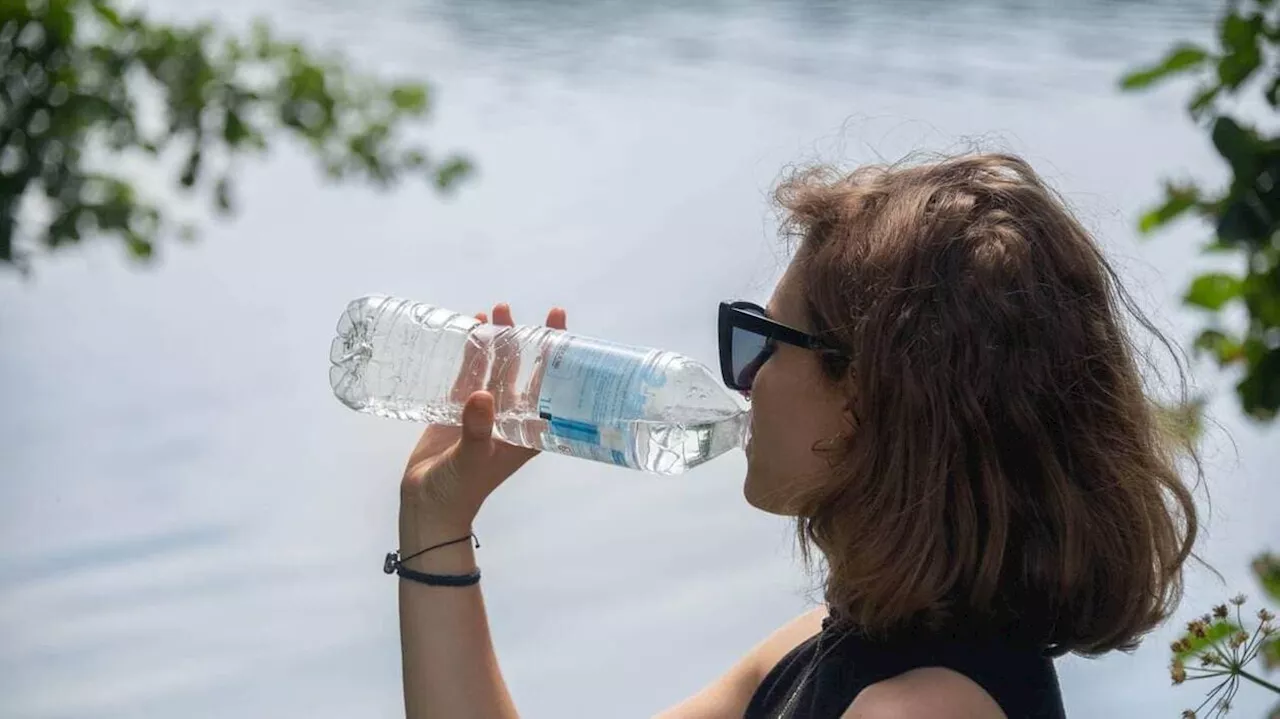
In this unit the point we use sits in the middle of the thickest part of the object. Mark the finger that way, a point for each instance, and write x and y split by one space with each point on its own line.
502 314
477 419
511 372
556 318
506 363
473 369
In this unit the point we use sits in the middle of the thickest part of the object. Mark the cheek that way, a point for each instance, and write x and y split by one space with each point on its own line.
779 422
788 418
780 461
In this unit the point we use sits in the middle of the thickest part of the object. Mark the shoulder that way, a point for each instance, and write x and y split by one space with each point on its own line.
927 692
786 638
731 694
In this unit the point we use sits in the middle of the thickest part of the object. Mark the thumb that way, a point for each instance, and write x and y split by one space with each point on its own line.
477 419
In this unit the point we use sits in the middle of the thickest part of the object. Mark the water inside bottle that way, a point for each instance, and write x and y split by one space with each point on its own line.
659 447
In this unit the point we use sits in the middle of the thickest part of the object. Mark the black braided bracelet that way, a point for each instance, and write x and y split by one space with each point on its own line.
395 565
440 580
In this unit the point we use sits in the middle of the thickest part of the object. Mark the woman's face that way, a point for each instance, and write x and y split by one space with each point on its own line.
793 407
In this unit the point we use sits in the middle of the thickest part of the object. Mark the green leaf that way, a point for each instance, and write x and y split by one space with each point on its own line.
1240 226
1259 391
261 40
1234 70
1266 567
1241 56
1273 92
107 14
1262 298
1182 422
139 248
1178 199
1254 350
1237 32
1226 350
1203 101
222 195
1270 654
191 170
1212 290
409 98
1217 247
1217 631
1236 144
60 21
452 172
234 131
1180 59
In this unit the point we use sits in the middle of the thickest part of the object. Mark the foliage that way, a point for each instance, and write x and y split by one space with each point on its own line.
1181 423
1245 214
1245 218
79 78
1218 646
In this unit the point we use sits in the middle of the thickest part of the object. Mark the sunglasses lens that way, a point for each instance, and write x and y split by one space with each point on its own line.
750 350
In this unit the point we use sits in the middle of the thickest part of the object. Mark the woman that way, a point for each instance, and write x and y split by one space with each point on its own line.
946 400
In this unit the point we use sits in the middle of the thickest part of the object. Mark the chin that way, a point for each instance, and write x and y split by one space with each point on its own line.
763 497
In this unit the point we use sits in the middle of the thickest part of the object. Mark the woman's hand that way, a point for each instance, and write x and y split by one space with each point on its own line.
448 662
452 470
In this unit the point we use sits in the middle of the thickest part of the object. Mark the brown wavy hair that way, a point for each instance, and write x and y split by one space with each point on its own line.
1006 472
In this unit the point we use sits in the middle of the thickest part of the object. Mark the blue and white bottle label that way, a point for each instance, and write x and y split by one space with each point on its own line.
591 390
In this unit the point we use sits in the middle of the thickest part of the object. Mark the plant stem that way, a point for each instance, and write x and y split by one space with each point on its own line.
1259 682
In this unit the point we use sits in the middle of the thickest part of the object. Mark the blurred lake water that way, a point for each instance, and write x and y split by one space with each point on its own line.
191 525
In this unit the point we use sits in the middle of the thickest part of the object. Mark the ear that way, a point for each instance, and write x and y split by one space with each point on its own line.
848 388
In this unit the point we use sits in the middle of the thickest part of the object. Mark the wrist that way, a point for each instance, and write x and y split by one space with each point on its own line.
420 530
417 533
452 559
421 514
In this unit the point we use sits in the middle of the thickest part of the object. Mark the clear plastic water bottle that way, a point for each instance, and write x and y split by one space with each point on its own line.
635 407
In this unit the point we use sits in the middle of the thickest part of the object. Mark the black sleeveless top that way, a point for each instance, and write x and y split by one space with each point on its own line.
820 678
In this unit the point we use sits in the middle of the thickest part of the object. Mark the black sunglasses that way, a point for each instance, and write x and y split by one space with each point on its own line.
748 338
